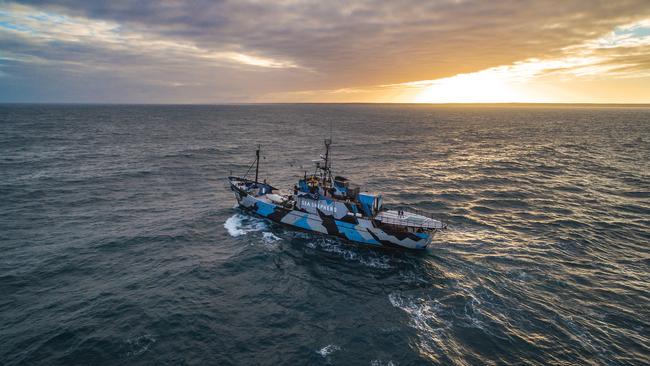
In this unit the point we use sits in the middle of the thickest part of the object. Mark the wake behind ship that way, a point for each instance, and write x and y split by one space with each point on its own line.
331 205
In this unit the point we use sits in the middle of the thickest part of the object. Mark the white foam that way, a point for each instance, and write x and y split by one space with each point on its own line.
270 237
377 262
232 225
139 345
423 314
239 224
381 363
333 246
325 351
270 240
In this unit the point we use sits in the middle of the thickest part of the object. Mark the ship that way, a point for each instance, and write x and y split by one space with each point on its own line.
332 205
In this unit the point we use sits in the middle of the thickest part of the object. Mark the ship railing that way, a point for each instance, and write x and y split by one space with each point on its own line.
437 223
413 224
425 214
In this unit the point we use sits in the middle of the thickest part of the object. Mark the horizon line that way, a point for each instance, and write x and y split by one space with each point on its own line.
514 104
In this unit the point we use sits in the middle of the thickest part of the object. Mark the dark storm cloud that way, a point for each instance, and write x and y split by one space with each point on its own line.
336 44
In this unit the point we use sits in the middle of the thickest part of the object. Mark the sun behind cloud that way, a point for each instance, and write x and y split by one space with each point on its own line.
528 81
406 51
481 87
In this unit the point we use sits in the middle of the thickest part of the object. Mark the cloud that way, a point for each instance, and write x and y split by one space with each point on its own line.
623 53
45 28
267 49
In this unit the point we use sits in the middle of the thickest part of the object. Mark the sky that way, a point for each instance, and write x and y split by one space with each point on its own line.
251 51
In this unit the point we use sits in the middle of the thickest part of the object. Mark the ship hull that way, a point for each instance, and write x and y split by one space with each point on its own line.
358 230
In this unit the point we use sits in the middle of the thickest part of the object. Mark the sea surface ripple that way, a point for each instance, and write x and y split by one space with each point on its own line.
120 243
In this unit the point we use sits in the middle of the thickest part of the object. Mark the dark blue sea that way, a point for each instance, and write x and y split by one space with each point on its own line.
120 243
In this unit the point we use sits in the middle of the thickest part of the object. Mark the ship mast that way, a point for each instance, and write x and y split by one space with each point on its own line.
327 173
257 162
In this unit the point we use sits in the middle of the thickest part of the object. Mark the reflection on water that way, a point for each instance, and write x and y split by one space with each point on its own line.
120 241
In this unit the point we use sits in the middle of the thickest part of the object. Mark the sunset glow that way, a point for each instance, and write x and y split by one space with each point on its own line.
481 87
266 52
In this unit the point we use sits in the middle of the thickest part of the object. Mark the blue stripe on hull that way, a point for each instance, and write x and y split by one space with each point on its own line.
302 223
264 209
355 235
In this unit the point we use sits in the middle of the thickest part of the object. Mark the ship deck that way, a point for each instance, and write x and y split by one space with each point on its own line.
409 219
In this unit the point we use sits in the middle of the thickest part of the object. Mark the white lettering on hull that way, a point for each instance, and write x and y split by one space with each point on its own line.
302 203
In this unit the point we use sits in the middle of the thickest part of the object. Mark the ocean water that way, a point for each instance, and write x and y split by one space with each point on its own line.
120 243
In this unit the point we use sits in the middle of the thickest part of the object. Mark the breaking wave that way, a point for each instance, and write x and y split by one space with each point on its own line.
240 224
